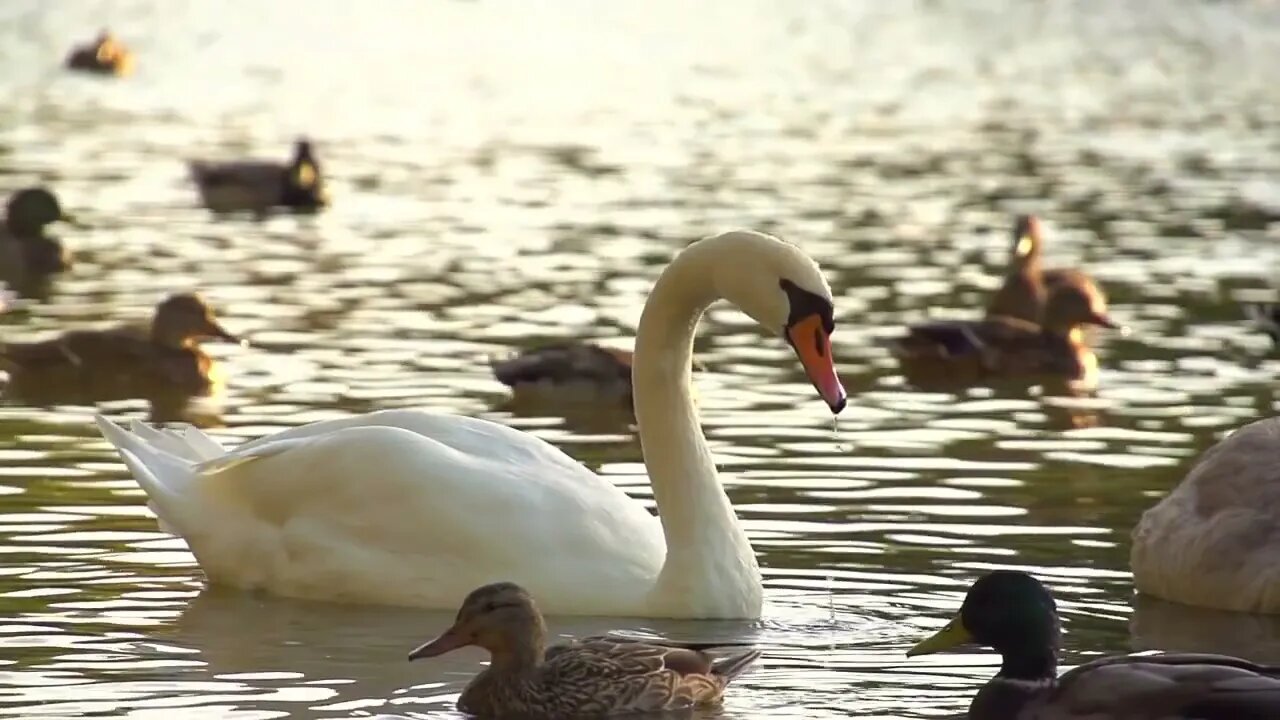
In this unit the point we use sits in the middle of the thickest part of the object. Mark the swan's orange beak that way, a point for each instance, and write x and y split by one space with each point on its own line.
809 338
450 639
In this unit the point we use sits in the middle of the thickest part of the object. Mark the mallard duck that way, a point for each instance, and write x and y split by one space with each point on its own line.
585 368
126 361
1213 540
594 676
1014 614
104 55
25 247
1027 284
606 370
259 185
406 507
1004 349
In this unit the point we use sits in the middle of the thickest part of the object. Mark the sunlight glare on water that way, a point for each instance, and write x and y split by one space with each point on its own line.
506 174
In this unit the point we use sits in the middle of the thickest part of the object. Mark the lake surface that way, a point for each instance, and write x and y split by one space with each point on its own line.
507 173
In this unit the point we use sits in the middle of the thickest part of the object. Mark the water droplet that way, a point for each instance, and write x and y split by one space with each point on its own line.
831 598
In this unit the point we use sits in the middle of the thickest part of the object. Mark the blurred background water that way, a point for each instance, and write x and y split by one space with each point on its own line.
505 173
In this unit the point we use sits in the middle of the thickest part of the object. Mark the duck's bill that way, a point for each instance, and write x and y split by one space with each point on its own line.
73 221
449 640
1105 321
808 337
953 635
221 333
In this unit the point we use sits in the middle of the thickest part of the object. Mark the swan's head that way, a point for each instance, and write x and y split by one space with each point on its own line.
500 618
783 289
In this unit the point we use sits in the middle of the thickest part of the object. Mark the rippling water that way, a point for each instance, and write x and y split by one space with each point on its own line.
507 173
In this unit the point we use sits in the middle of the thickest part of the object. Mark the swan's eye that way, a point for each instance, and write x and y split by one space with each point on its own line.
804 304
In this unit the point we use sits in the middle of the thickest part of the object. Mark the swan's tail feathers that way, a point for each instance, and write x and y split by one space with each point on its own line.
174 442
226 461
734 665
164 475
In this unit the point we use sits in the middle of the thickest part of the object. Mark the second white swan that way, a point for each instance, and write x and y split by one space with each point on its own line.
414 508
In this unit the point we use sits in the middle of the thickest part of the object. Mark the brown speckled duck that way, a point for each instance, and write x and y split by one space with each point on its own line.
105 55
1014 614
120 362
593 676
1027 284
26 248
1004 349
258 186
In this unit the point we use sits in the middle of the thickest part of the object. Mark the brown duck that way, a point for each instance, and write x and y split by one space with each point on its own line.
259 186
1004 349
593 676
105 55
26 248
1027 284
120 362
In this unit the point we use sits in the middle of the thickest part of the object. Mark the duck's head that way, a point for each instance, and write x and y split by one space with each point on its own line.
1074 302
30 210
499 618
185 319
304 185
1007 610
1028 239
783 289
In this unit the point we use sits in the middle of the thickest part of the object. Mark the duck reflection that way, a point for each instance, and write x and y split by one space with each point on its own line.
1161 625
161 362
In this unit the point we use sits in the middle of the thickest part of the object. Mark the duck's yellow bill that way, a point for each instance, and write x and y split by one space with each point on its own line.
953 635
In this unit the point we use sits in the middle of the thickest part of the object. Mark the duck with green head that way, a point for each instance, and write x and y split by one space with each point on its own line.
258 186
1014 614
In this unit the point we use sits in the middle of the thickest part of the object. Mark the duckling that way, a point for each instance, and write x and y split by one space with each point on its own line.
1014 614
592 676
25 248
1004 349
105 55
258 185
120 362
1026 285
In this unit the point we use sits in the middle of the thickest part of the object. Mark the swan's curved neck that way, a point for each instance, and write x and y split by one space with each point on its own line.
710 565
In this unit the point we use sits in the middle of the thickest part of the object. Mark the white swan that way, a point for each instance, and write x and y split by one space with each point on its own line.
1214 541
412 508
